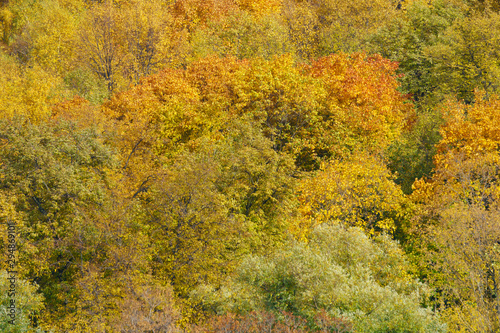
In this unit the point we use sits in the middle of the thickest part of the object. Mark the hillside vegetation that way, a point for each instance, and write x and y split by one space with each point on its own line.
249 166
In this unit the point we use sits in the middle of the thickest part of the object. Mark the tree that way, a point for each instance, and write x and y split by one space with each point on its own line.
411 156
216 203
345 26
406 39
335 105
358 191
319 28
190 14
44 32
364 109
100 44
458 216
285 102
148 308
302 23
332 107
146 38
464 259
27 92
466 58
27 304
244 36
6 22
54 178
341 271
154 121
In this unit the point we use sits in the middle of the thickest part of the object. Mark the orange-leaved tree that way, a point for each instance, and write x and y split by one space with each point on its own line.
459 210
364 106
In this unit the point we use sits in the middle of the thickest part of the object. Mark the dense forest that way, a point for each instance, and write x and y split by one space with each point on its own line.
249 166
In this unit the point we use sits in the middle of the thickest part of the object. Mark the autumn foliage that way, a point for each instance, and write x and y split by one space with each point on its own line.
249 166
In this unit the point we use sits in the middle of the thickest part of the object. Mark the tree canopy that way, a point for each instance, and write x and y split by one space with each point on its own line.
248 165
